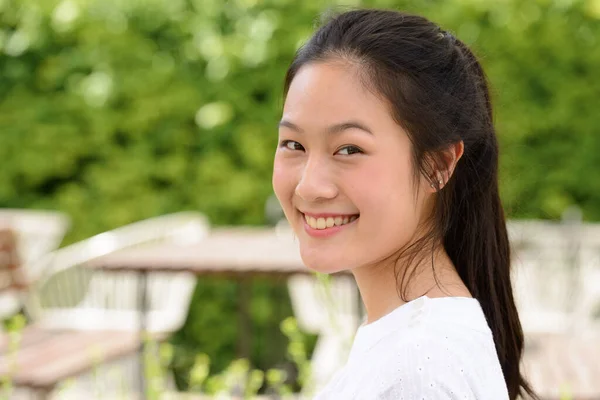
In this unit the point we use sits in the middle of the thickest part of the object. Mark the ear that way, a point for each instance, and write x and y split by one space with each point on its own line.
445 164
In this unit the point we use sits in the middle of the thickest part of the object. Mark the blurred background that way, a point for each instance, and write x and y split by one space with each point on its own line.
118 111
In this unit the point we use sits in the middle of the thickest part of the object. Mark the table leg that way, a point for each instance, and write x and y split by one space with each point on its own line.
143 307
244 341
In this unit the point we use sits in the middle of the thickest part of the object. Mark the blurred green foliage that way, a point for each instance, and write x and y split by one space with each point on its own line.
119 110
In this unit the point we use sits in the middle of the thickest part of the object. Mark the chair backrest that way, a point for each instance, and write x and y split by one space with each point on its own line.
317 304
552 266
73 296
37 233
12 279
11 276
330 309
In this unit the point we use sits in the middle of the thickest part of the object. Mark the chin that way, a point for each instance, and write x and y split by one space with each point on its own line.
324 264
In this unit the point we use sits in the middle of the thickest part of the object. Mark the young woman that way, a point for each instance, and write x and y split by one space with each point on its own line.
387 166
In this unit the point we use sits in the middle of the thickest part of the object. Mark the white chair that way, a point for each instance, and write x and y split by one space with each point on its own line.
330 310
71 296
37 234
555 272
586 317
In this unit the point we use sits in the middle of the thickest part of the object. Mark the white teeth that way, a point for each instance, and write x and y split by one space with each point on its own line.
310 221
321 224
329 222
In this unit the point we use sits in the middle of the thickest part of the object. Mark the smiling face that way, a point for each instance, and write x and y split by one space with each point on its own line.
343 171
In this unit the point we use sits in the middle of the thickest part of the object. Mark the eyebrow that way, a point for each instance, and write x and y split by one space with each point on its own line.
336 128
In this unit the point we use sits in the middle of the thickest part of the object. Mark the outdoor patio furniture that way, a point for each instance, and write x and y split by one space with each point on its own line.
12 278
72 297
234 252
34 360
332 311
44 358
556 275
36 234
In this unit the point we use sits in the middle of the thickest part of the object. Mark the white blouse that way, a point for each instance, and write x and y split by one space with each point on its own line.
429 348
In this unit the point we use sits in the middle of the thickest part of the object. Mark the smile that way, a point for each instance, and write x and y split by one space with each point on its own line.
329 222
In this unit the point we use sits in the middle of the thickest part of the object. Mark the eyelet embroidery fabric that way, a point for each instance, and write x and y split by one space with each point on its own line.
433 349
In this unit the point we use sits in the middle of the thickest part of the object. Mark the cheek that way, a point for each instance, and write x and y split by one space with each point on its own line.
284 183
384 182
385 196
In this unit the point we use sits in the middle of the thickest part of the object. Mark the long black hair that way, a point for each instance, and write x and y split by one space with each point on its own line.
437 91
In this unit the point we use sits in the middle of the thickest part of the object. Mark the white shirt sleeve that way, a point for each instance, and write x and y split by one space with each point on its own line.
431 370
442 351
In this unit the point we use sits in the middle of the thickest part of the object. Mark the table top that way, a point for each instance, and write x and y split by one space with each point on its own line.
238 251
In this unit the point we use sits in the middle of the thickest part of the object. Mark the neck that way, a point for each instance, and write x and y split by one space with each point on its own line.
379 283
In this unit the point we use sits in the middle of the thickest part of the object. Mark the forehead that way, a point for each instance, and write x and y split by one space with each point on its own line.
325 93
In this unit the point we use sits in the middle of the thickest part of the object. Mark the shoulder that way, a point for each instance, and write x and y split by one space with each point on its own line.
437 362
421 363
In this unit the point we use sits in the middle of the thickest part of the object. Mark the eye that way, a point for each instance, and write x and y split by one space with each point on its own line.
349 150
291 145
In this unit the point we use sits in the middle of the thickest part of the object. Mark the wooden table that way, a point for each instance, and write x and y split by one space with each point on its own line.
234 252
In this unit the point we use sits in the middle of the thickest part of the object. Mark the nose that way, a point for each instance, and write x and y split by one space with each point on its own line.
316 182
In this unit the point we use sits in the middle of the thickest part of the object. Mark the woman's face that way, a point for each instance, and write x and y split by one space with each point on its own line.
343 171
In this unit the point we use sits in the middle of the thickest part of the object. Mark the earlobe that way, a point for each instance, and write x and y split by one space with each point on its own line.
440 183
445 165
